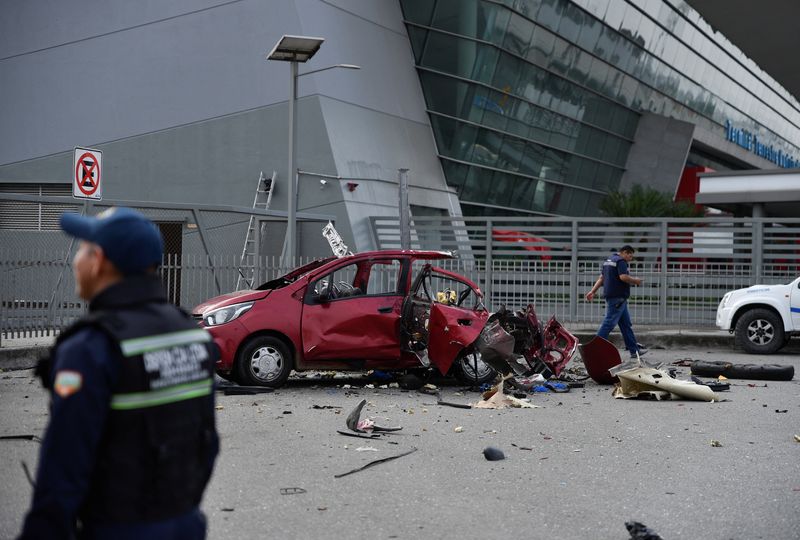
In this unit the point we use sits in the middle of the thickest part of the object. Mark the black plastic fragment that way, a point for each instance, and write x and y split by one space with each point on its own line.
640 531
493 454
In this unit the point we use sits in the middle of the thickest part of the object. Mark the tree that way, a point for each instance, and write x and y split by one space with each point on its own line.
643 201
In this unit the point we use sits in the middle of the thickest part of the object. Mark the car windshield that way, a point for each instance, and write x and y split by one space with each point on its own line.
292 276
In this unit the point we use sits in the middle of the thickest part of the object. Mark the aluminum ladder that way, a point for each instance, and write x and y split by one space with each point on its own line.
262 201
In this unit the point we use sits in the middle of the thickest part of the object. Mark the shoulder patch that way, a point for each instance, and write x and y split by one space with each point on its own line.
67 383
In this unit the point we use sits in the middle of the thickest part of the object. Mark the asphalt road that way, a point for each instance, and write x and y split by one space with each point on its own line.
578 467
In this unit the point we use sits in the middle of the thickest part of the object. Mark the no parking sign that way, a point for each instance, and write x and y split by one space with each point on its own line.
88 168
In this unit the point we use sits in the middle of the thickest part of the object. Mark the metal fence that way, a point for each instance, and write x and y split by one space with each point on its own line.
687 264
203 255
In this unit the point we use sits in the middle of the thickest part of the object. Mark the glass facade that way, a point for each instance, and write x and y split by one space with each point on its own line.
534 103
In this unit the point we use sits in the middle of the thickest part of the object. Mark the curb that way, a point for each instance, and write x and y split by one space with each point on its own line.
666 340
21 357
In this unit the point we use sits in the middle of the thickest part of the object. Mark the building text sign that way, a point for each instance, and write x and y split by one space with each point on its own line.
87 169
750 141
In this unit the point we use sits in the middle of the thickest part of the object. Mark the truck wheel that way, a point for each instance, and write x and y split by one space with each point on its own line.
759 331
264 361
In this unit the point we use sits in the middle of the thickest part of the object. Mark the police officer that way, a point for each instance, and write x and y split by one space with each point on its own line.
616 281
132 439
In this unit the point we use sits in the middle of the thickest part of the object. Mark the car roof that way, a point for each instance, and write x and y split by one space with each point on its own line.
412 253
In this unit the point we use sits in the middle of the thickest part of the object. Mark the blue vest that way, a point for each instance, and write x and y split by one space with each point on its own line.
158 446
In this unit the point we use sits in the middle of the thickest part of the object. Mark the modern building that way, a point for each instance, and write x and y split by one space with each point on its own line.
517 107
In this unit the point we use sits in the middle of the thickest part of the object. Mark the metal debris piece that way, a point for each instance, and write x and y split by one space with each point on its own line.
458 429
640 531
354 422
359 435
33 438
376 462
716 444
325 407
355 416
456 405
366 449
292 490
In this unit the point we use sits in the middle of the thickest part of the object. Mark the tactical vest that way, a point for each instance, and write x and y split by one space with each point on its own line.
158 445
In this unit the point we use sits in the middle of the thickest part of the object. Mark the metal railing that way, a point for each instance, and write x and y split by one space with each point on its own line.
687 264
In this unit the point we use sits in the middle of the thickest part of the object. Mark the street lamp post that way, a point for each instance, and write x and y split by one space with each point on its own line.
296 49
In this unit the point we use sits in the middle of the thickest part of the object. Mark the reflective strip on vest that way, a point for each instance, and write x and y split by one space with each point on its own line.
181 392
132 347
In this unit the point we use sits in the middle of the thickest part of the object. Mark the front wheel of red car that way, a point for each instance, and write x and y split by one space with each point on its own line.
471 369
264 361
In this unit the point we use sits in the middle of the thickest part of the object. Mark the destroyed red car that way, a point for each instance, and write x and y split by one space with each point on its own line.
386 310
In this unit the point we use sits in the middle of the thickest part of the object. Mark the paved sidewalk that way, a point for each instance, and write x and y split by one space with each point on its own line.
22 353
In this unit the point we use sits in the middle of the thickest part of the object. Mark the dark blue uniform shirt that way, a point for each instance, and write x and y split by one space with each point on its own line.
613 287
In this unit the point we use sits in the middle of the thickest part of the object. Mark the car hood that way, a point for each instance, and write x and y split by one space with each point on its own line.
229 299
737 294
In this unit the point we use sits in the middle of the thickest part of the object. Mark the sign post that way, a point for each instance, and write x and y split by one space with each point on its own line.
87 174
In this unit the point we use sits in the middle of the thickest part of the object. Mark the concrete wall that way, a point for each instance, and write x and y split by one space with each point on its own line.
658 153
184 106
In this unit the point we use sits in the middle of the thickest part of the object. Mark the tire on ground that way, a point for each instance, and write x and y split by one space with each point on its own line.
760 372
464 368
760 331
264 361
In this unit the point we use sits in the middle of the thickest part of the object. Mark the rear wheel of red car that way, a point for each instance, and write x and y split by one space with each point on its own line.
469 368
264 361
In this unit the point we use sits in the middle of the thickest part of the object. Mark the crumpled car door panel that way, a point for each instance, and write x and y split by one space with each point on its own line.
451 330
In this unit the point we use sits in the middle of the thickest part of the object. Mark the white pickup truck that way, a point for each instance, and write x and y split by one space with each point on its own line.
763 317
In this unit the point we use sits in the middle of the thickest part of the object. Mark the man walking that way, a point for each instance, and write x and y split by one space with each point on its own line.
616 282
132 439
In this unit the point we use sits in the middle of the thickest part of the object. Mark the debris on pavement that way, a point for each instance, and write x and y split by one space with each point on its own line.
366 449
759 372
325 407
599 356
367 425
359 435
637 379
244 390
797 438
292 491
34 438
376 462
640 531
493 454
716 386
458 429
716 444
494 398
456 405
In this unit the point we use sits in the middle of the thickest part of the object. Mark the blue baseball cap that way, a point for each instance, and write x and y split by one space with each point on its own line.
129 240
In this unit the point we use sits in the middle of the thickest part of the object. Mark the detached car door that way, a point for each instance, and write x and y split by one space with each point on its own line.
354 313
